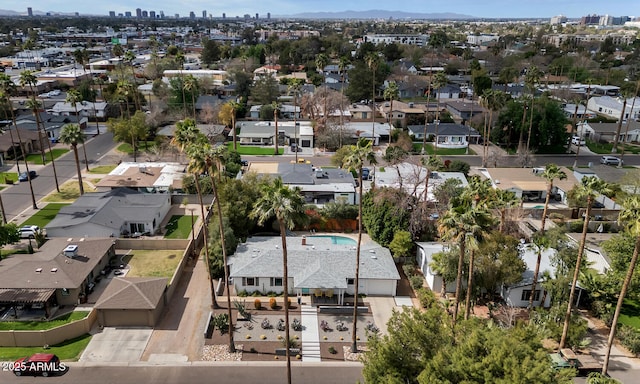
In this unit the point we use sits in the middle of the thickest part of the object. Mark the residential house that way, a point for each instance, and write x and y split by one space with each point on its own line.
318 265
263 133
606 132
86 110
117 212
581 113
401 112
214 132
518 294
449 135
61 272
514 89
376 132
463 110
424 259
214 76
449 91
132 302
411 177
527 184
288 112
611 107
10 145
317 185
360 111
145 177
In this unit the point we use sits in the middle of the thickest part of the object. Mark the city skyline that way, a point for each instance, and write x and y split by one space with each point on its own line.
486 9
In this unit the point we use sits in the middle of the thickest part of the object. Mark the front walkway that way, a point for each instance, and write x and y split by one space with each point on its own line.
310 334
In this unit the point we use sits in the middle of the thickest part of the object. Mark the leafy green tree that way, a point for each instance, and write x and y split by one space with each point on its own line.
210 52
265 90
630 216
9 234
401 245
286 205
360 78
384 213
498 262
129 130
550 173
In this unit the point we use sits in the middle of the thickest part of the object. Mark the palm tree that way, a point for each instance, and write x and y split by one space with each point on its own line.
190 85
7 86
35 107
589 188
294 87
431 163
531 79
539 242
354 160
322 61
73 98
27 78
439 81
186 132
343 65
71 134
234 110
124 90
205 155
287 206
630 216
276 111
391 92
503 200
462 218
551 173
373 62
493 101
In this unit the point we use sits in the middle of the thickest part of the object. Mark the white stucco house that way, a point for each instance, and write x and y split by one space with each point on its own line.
612 107
316 265
424 257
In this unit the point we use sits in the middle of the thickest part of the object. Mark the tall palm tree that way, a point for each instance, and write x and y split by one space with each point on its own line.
7 86
294 87
391 92
630 216
234 110
373 62
190 85
539 242
35 107
504 200
462 218
531 79
287 206
589 188
197 167
431 163
439 81
343 65
124 90
276 111
354 160
551 172
74 97
71 134
206 156
494 101
28 78
322 61
129 58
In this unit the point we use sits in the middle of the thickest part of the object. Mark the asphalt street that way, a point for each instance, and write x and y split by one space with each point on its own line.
17 198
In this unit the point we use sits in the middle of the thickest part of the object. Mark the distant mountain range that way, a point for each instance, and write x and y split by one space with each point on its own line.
7 12
378 14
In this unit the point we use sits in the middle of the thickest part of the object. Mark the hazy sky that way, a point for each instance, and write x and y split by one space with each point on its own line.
486 8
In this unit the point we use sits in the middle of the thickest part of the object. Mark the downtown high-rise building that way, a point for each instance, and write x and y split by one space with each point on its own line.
112 13
29 12
204 14
138 13
152 14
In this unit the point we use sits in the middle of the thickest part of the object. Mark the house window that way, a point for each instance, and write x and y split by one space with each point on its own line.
527 293
136 227
276 281
250 281
351 281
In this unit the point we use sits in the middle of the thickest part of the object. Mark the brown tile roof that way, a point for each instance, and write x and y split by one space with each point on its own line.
132 293
524 179
49 268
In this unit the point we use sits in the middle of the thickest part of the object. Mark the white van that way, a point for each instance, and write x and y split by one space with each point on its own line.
29 231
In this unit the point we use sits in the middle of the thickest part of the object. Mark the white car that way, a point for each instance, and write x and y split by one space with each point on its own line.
611 160
29 231
577 140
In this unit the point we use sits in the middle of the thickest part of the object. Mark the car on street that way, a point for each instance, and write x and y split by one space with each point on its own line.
611 160
23 176
577 140
29 231
43 364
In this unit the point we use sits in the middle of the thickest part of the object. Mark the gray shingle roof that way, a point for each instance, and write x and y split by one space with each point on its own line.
318 264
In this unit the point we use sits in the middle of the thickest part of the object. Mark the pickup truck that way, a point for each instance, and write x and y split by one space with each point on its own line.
566 358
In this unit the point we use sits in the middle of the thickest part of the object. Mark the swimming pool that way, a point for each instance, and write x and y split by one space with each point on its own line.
339 240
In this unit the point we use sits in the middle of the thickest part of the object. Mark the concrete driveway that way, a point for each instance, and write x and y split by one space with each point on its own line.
117 345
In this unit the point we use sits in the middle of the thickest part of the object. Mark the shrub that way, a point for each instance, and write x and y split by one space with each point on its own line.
288 302
273 304
340 210
409 269
243 293
257 304
426 297
221 322
256 293
416 281
630 338
253 350
332 350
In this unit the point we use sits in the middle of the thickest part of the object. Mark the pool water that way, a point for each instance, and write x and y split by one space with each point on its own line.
339 240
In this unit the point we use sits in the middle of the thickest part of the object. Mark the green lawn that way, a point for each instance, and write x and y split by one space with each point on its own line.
255 150
142 146
4 176
630 314
417 148
67 350
605 148
103 169
179 227
69 192
44 215
42 325
152 263
36 158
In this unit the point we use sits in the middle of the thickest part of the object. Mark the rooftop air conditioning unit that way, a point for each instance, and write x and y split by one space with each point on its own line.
71 251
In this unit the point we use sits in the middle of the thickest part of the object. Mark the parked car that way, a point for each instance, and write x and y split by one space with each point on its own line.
366 174
295 148
23 176
44 364
611 160
29 231
577 140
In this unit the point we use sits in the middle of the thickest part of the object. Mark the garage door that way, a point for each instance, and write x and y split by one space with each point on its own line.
125 318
